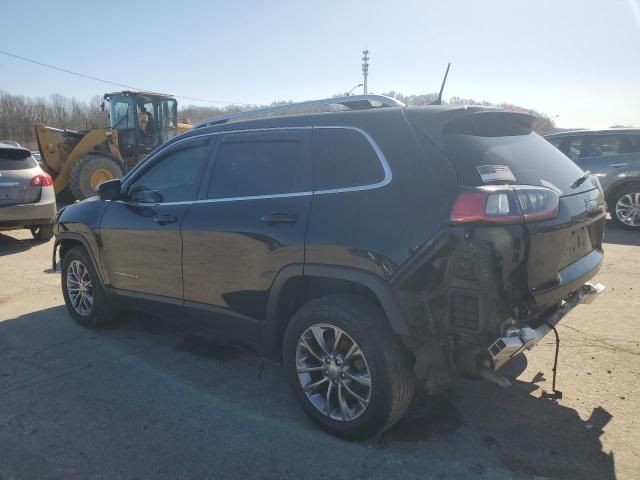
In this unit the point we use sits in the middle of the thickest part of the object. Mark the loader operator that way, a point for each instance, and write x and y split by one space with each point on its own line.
143 121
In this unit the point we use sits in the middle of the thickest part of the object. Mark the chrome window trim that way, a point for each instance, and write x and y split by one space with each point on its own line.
209 134
150 158
388 176
222 200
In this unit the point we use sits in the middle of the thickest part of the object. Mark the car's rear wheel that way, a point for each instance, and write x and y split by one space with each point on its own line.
625 207
42 233
83 293
348 371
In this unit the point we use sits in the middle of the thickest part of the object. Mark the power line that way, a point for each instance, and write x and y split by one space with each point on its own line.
30 60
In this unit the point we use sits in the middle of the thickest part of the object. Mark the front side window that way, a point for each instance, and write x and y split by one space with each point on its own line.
343 158
260 163
122 113
168 121
173 178
570 146
555 142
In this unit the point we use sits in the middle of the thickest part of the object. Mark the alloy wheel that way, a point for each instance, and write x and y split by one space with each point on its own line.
628 209
79 288
333 372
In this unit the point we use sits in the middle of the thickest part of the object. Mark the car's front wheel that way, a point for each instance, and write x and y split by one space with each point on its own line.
84 296
347 369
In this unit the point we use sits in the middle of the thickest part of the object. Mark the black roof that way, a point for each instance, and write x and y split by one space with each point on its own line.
344 117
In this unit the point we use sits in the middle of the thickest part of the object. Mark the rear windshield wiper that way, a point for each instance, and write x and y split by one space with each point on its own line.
580 180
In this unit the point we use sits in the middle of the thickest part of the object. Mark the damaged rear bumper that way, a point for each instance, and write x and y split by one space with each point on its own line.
517 340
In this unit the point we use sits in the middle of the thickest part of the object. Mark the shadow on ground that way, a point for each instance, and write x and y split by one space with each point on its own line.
153 398
10 245
620 236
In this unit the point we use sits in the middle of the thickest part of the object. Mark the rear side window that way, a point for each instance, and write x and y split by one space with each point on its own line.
16 159
603 145
259 163
343 158
634 144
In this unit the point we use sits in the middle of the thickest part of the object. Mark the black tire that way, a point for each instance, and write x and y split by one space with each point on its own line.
391 372
42 233
102 311
613 201
81 171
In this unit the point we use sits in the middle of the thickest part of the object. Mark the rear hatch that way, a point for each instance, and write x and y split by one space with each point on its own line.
490 147
17 169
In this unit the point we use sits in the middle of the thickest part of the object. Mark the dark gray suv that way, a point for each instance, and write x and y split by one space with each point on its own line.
613 156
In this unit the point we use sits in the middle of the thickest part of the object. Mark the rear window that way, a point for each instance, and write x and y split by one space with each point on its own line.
530 159
16 159
343 158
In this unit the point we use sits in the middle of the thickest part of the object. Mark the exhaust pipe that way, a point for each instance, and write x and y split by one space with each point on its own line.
475 364
472 362
489 375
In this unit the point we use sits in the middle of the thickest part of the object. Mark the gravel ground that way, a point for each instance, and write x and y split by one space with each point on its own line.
150 398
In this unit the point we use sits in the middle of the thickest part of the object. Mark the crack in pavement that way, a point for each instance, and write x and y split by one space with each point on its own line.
86 367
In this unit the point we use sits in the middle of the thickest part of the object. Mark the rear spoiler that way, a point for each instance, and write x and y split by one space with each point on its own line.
470 120
492 124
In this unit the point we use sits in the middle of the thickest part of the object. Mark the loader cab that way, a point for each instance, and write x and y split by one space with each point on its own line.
143 120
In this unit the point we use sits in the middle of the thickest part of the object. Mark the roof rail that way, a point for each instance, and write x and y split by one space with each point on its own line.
353 102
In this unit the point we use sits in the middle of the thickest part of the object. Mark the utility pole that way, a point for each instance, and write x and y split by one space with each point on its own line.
365 68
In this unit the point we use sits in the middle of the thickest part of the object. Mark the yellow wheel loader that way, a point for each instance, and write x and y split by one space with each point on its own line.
80 161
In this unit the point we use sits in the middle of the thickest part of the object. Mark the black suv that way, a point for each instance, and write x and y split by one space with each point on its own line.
373 251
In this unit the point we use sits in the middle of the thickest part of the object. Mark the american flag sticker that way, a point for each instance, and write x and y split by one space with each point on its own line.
495 173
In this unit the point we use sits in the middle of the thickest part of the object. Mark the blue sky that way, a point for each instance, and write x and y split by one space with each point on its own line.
579 59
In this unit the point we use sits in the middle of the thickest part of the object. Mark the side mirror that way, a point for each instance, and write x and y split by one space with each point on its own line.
140 194
110 190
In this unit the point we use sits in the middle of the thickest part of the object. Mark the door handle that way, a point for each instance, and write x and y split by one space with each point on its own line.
165 219
276 218
618 165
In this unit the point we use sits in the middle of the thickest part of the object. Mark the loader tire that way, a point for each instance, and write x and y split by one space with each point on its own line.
90 171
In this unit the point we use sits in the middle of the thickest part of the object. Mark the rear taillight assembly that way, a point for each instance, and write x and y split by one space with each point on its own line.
508 204
42 180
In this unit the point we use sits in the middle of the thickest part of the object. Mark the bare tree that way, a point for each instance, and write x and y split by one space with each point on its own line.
19 114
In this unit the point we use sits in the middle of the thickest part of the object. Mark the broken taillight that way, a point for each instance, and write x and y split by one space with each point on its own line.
508 204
